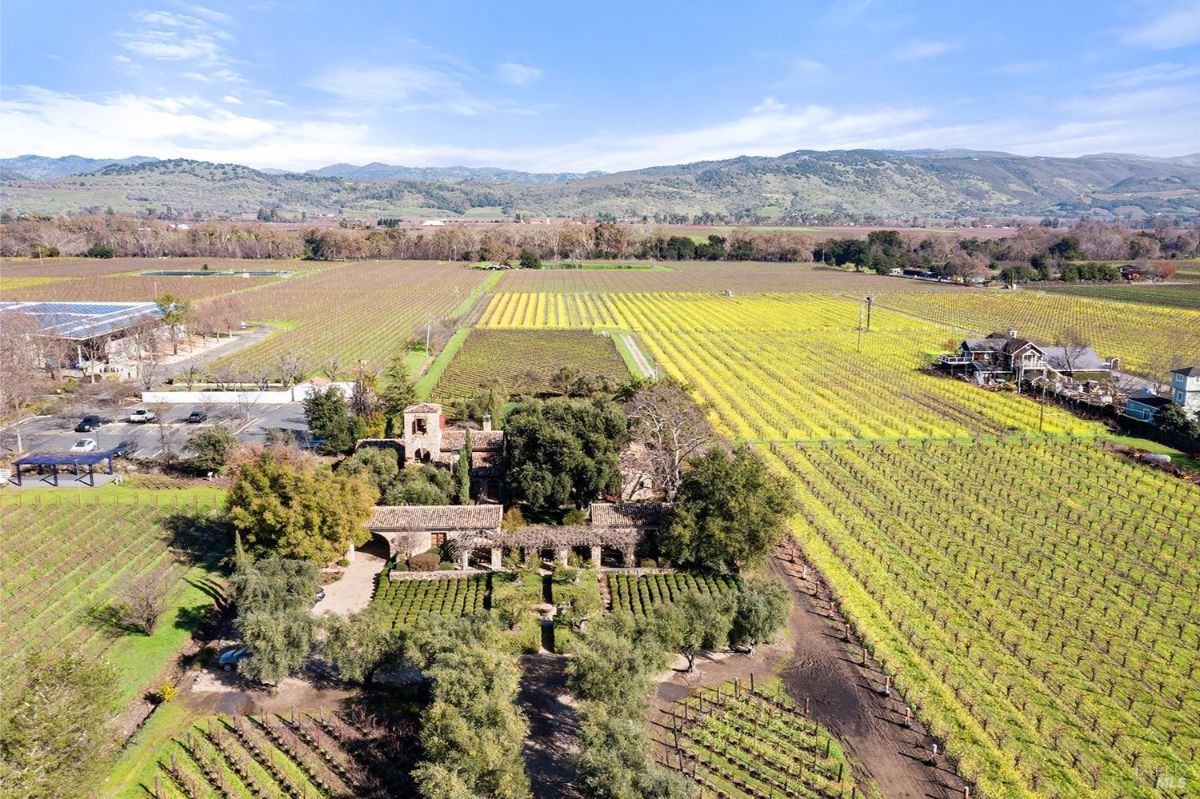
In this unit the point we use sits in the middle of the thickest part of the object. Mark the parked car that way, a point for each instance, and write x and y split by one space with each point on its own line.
142 415
123 448
196 417
228 660
88 423
84 445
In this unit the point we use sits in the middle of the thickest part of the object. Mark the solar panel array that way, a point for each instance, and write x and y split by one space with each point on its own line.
84 320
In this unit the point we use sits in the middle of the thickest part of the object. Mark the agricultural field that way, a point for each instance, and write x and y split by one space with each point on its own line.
303 753
1036 600
745 743
410 599
120 279
69 555
1175 295
640 594
522 361
739 276
761 365
366 310
1145 337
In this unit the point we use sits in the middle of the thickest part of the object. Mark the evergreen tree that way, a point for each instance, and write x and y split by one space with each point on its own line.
397 394
328 419
730 512
463 472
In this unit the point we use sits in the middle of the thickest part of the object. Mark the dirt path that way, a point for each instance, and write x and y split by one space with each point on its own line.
639 357
552 726
847 697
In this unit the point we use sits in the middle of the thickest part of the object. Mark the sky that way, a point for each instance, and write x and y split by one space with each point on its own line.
547 87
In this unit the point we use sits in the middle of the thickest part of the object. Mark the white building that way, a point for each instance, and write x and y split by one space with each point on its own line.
1185 388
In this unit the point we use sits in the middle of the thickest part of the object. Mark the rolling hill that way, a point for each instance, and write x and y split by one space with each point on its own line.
845 184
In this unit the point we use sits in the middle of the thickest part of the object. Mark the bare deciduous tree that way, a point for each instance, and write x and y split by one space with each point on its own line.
673 429
144 601
19 359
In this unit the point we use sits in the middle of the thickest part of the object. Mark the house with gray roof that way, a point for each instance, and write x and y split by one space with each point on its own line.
1007 356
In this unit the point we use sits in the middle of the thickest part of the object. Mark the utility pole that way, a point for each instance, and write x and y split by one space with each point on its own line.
860 326
870 302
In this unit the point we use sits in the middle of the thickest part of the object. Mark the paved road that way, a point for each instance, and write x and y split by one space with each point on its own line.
56 433
238 343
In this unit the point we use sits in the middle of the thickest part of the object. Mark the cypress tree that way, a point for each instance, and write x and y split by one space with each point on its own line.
464 472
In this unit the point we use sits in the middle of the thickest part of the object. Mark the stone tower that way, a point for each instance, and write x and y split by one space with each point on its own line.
423 433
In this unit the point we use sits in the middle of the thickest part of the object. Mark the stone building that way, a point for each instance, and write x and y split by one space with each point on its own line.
427 440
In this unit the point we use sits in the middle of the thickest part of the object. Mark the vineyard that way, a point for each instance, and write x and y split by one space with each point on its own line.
640 594
706 276
1146 338
1181 295
361 310
753 743
120 279
318 755
67 560
1037 602
522 362
764 366
410 599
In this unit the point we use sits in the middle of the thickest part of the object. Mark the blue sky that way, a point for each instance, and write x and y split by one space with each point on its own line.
570 86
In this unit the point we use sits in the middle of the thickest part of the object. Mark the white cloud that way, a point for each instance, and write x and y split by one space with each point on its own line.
517 74
197 39
769 105
1152 121
917 51
1151 73
408 87
1177 27
229 98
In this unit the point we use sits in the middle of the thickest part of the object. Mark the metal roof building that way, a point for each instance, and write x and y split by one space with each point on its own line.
81 321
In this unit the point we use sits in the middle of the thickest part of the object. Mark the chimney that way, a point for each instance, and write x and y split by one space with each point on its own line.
487 423
1012 334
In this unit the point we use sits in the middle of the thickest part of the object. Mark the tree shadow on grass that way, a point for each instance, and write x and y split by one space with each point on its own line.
198 539
109 620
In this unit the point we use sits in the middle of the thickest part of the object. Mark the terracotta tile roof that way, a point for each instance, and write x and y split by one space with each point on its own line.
435 517
631 514
480 439
424 407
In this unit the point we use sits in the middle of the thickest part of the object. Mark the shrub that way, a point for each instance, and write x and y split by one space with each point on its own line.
343 563
424 562
165 693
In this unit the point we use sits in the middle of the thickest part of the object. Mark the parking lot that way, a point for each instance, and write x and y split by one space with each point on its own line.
249 425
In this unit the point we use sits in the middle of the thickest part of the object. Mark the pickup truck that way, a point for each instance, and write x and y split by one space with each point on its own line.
141 415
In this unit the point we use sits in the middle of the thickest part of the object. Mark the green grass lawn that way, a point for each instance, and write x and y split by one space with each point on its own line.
430 379
92 543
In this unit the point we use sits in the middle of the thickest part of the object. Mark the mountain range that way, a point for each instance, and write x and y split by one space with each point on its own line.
806 184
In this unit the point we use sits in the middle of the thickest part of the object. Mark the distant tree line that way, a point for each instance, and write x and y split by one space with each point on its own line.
100 235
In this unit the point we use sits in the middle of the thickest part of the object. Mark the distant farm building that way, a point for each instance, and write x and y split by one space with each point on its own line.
433 223
92 331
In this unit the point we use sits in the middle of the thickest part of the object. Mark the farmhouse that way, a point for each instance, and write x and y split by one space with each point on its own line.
1144 407
1008 356
1185 388
427 440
